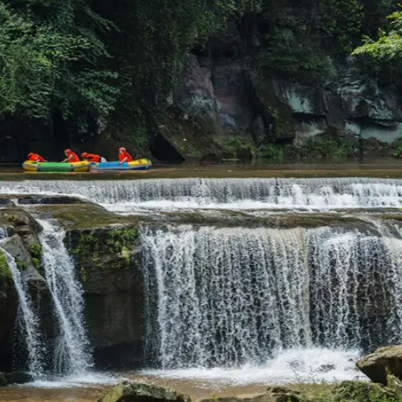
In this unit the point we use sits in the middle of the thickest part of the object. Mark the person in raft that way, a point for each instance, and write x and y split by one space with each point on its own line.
124 156
92 157
70 156
35 157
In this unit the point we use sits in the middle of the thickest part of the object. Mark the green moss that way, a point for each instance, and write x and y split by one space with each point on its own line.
21 265
114 242
4 268
36 263
36 251
119 240
83 273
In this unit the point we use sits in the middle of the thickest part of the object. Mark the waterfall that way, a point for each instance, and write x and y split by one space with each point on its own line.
72 354
30 320
255 193
234 296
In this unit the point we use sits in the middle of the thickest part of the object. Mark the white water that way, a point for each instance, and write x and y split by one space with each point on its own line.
291 366
236 302
250 305
72 355
134 195
30 320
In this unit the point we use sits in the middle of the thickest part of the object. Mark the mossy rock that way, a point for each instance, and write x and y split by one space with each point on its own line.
85 216
4 268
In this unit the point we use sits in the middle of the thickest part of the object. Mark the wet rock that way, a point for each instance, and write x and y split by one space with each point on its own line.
49 200
128 391
18 377
273 394
210 159
282 394
382 361
5 202
108 260
3 381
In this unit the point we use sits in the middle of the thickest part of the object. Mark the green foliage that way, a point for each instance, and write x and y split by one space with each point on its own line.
83 273
4 268
329 146
270 151
235 148
50 55
388 46
398 152
114 242
21 265
119 240
36 251
347 391
293 57
345 22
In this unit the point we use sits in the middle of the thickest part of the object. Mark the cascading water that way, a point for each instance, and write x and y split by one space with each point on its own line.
224 193
229 297
30 320
72 354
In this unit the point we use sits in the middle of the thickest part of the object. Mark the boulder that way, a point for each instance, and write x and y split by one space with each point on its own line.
129 391
18 377
282 394
273 394
266 397
3 381
383 360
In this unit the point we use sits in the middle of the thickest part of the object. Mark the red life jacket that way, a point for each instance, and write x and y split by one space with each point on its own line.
93 158
73 157
124 155
36 158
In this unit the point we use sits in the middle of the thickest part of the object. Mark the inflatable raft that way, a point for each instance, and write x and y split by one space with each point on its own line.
139 164
30 166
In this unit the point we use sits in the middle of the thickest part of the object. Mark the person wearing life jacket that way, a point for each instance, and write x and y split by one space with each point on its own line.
124 156
35 157
71 156
92 157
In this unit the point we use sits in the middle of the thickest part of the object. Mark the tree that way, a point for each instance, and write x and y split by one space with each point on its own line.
49 60
388 46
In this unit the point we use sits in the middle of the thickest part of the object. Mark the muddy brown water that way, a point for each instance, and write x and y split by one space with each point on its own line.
196 389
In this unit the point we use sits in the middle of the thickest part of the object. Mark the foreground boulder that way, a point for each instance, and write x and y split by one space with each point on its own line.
129 391
18 377
273 394
385 360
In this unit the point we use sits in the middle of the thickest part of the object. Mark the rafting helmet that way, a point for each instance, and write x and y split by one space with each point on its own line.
67 151
30 154
84 154
122 149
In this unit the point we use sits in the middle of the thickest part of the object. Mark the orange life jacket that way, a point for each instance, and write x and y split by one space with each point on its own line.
73 157
93 158
36 158
124 155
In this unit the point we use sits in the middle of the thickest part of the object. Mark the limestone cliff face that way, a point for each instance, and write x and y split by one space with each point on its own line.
277 77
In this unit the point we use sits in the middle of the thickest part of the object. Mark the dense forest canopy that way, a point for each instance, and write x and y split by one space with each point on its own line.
94 64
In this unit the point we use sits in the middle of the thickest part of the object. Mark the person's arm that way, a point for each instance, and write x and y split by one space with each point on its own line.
122 161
